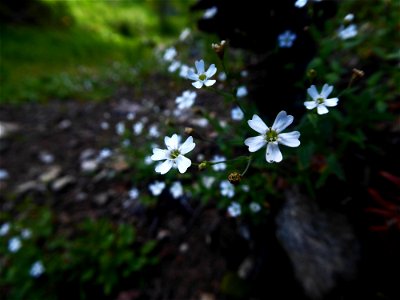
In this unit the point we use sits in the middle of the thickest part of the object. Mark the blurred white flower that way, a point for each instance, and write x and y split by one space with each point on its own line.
176 190
210 12
46 157
186 100
244 73
255 207
208 181
227 189
349 18
130 116
148 160
237 114
272 136
222 76
347 32
37 269
169 54
174 66
320 100
104 125
153 131
26 233
234 210
120 128
202 77
220 166
104 154
300 3
14 244
138 128
4 174
245 188
174 154
184 71
184 34
201 122
286 39
157 187
241 91
4 229
133 193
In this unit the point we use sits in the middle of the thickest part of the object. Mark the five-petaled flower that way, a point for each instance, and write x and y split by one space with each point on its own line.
272 136
286 39
320 100
174 154
202 77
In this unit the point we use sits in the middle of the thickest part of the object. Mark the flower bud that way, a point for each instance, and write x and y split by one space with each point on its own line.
219 49
189 130
203 165
358 73
234 178
311 73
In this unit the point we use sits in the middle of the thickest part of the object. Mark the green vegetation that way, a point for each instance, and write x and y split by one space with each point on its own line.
86 49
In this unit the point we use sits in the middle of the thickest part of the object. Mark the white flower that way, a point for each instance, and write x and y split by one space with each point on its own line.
120 128
174 154
237 114
133 193
14 244
241 91
272 136
148 160
320 100
37 269
222 76
186 100
286 39
138 128
349 17
176 190
300 3
130 116
104 154
104 125
245 188
234 210
26 233
126 143
169 54
208 181
4 174
227 189
347 32
211 12
153 131
255 207
174 66
184 71
184 34
201 77
157 187
4 229
220 166
201 122
244 73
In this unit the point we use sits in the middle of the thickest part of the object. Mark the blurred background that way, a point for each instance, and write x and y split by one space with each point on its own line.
88 89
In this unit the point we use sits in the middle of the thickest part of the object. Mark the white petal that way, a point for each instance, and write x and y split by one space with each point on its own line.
290 139
255 143
321 109
310 104
282 121
164 167
197 84
192 75
312 91
159 154
172 142
183 163
326 90
331 102
209 82
199 66
211 71
257 124
273 153
187 146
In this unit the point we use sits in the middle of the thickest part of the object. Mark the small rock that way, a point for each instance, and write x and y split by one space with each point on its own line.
101 199
50 174
64 124
6 129
162 234
245 268
89 166
29 186
62 183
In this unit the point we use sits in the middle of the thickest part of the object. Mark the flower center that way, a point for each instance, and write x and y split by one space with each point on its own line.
271 136
202 77
174 153
320 100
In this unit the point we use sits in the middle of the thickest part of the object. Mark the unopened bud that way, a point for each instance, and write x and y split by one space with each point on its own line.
219 49
234 178
189 130
358 73
203 165
311 73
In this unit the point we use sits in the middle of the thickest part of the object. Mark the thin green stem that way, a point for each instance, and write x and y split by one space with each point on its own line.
247 166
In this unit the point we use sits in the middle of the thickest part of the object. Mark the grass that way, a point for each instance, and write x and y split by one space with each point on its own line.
89 49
